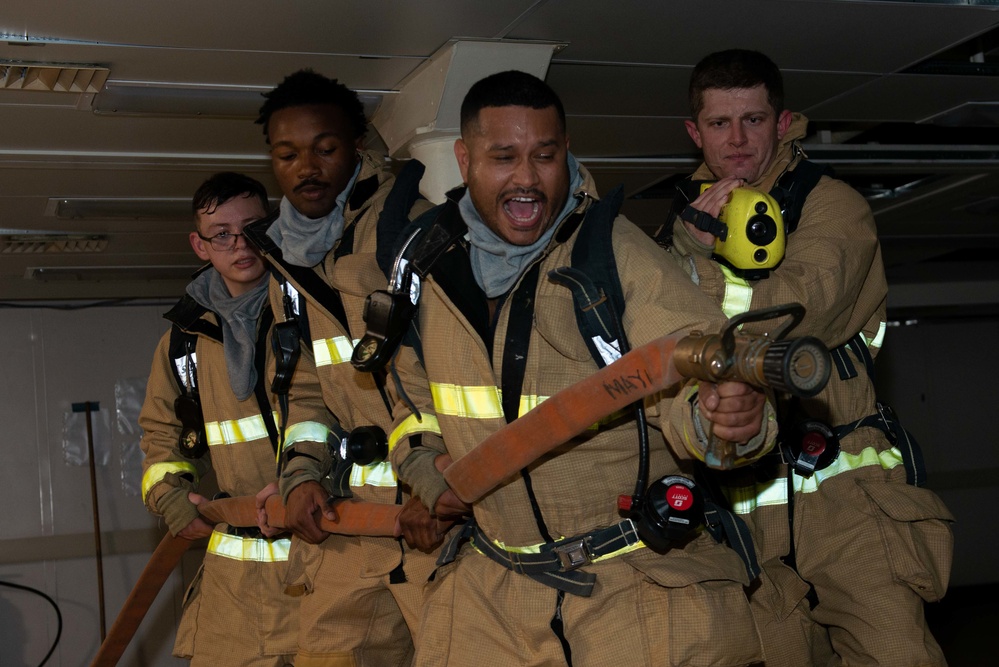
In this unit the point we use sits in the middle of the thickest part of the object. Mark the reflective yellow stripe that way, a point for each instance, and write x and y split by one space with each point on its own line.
234 431
528 403
738 293
155 473
747 498
411 425
474 402
879 337
329 351
377 474
260 550
305 432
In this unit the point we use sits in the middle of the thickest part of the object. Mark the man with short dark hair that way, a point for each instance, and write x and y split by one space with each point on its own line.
497 337
208 404
838 581
361 596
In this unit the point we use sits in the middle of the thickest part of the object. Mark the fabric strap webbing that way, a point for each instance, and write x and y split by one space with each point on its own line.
545 566
515 349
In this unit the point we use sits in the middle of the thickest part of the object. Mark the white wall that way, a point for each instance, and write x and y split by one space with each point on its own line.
51 359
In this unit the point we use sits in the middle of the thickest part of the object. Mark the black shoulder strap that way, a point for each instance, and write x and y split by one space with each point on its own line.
260 389
444 226
187 314
687 190
792 189
310 282
597 293
394 218
187 322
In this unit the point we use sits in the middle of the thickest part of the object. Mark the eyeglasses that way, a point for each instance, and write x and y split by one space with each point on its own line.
223 241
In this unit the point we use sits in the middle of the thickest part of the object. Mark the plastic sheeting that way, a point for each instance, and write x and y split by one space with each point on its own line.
74 437
129 394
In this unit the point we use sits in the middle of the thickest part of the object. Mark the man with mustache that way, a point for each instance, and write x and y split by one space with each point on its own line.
851 553
360 596
208 390
498 336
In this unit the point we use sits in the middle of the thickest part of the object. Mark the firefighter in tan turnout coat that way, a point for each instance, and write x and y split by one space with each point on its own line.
236 612
867 548
497 337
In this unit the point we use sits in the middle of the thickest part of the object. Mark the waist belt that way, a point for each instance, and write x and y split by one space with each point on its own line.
252 532
556 564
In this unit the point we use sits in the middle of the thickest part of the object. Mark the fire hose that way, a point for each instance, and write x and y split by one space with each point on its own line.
798 366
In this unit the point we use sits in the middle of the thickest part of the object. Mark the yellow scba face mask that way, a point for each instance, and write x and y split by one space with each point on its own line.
755 239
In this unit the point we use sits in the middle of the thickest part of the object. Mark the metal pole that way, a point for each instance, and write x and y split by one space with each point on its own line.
89 407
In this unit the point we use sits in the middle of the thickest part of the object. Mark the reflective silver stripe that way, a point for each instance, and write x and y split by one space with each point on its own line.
330 351
235 431
186 369
305 432
156 472
747 498
260 550
292 294
738 293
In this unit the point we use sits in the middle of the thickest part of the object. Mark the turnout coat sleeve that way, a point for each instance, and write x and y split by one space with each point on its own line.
167 476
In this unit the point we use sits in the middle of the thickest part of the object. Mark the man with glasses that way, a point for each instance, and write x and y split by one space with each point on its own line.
208 392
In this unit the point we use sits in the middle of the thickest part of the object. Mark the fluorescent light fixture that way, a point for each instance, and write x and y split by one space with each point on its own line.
123 208
139 273
157 99
119 208
154 98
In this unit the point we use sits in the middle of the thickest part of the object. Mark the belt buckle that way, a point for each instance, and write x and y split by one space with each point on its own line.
572 554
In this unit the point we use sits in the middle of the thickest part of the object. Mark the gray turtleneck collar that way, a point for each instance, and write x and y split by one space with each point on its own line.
496 263
240 316
305 241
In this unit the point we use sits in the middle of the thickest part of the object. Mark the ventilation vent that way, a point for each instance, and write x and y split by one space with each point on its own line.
24 244
55 77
